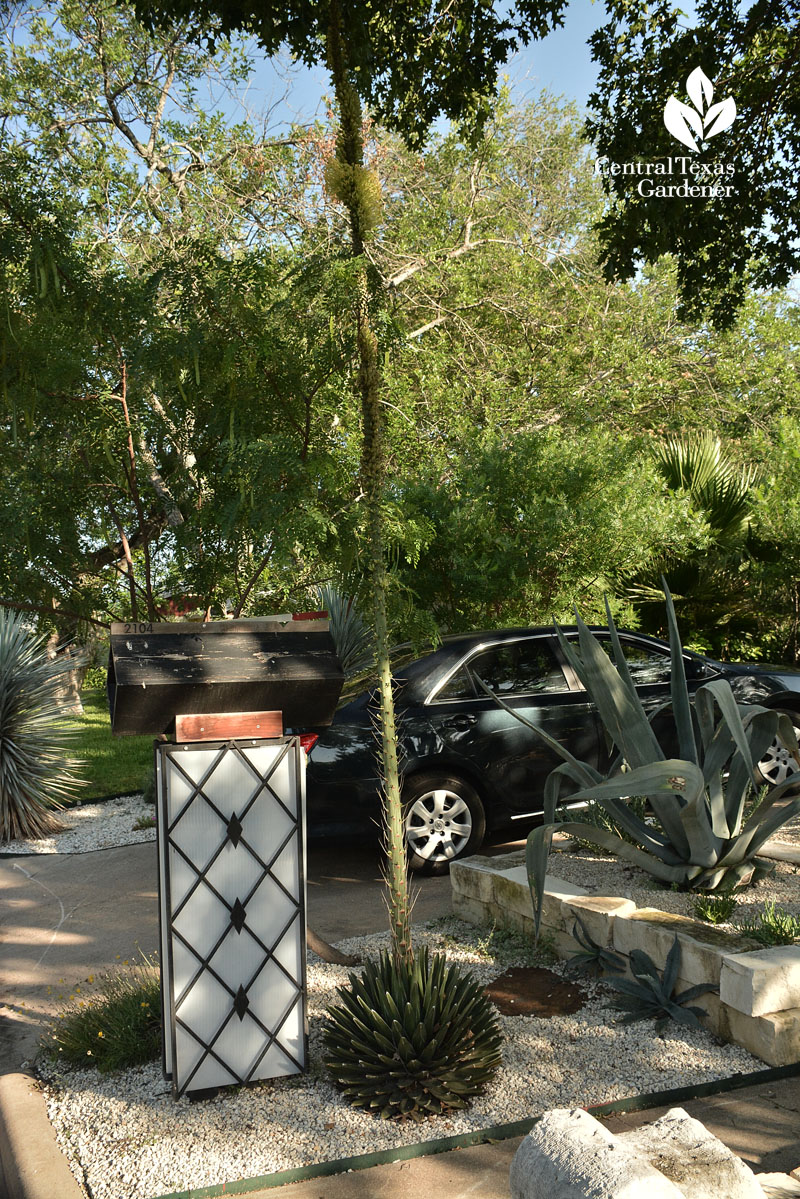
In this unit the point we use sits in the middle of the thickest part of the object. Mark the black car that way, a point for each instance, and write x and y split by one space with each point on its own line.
468 766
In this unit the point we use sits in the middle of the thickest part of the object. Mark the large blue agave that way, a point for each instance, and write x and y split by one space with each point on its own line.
699 838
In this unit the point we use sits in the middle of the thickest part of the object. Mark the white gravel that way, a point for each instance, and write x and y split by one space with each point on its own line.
127 1138
606 875
93 826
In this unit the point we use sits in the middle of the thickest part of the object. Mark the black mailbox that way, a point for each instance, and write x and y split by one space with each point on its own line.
159 671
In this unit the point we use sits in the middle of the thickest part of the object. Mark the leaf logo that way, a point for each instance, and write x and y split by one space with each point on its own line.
693 125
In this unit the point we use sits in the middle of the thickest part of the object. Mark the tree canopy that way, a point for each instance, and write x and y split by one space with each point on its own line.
748 54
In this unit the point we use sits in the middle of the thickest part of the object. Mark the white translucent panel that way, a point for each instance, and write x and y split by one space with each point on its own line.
182 878
286 869
204 1008
198 834
188 1052
238 958
206 869
211 1073
266 826
194 763
290 949
184 967
234 873
232 785
240 1044
271 995
202 920
269 911
281 778
275 1064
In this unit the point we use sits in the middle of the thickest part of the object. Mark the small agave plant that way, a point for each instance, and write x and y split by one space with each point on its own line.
35 768
411 1040
698 838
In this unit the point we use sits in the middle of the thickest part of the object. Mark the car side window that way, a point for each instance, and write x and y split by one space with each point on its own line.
458 686
519 668
646 663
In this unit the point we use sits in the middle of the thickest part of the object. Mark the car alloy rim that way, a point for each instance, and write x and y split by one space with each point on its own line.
438 825
778 762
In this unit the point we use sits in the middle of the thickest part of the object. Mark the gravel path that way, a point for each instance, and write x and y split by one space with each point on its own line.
93 826
127 1138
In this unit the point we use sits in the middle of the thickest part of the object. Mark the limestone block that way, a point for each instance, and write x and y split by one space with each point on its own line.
774 1037
597 914
779 1186
703 948
570 1155
697 1162
470 909
473 878
767 980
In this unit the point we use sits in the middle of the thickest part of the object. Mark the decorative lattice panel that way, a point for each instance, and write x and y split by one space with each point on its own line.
232 905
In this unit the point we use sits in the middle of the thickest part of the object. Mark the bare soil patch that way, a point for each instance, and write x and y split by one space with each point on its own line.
534 991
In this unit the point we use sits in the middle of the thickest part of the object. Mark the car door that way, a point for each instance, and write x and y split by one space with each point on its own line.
650 669
508 760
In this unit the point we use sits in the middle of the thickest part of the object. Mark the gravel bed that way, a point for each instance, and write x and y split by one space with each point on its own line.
606 875
93 826
127 1138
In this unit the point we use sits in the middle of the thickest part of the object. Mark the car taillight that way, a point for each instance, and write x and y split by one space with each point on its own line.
308 741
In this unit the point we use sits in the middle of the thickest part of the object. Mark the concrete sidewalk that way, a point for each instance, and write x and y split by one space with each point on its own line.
64 917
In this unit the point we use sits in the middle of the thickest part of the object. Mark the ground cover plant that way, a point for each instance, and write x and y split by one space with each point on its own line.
714 909
37 771
772 926
113 1024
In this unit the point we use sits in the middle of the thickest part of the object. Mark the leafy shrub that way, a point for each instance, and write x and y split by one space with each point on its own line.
714 909
116 1027
36 776
702 840
650 995
772 926
411 1040
94 678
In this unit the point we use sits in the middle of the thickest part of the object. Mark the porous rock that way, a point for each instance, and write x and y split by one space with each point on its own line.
697 1162
570 1155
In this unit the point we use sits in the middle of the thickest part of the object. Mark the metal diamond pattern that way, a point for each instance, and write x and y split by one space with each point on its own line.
233 924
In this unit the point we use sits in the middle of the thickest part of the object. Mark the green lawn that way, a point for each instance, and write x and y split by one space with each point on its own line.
113 765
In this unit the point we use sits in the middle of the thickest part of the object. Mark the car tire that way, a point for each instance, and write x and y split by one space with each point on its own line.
779 762
444 821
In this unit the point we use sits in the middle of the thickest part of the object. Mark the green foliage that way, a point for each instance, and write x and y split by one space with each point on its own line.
111 765
351 635
650 995
36 771
645 53
411 1040
701 840
94 678
113 1028
714 909
772 926
408 66
593 958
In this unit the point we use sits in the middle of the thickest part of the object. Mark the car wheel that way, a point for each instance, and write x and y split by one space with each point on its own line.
444 821
779 762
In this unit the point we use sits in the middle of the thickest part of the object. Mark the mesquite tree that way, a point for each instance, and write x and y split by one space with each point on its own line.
409 63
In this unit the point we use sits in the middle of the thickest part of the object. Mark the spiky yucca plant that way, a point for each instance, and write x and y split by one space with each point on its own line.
412 1040
35 768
